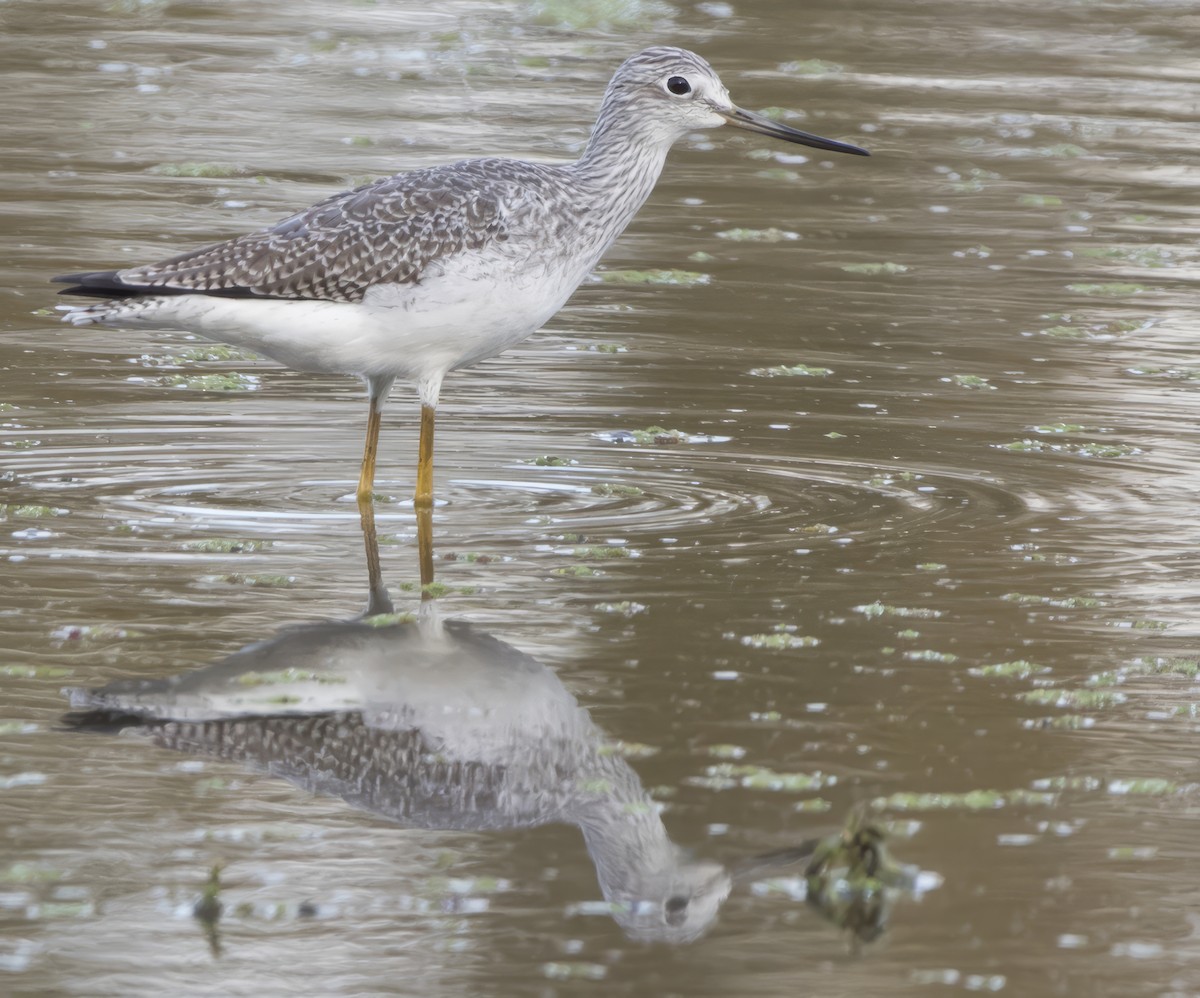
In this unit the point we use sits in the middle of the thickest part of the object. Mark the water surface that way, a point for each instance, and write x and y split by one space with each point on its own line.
942 424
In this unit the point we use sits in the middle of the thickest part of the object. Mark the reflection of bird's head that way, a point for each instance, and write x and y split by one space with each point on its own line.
678 905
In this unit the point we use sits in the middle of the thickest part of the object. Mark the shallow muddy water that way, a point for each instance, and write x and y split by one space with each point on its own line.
925 542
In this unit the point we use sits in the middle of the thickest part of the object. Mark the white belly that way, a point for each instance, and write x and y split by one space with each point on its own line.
415 332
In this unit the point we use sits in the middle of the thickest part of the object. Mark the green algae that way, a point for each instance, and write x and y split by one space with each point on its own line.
878 609
970 381
1062 602
279 677
791 371
929 655
779 641
226 545
623 608
810 67
1112 289
769 235
195 169
971 800
1017 669
551 461
598 15
1072 699
29 511
611 491
682 278
874 269
212 382
263 580
726 776
389 619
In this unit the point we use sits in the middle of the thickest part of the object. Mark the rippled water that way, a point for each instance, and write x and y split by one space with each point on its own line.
983 454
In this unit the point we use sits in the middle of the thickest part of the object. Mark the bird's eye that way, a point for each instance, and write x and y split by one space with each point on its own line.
679 86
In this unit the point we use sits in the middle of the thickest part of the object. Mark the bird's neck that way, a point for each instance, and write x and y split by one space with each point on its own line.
622 160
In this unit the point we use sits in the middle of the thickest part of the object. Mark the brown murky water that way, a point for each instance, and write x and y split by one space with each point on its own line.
978 450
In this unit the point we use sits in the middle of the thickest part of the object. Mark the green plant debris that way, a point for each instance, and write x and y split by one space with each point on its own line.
226 545
29 873
195 169
574 970
726 776
600 551
550 461
1040 201
35 671
929 655
700 256
969 381
814 805
1091 331
1144 786
816 529
791 371
810 67
1062 602
624 608
629 750
658 435
726 751
1061 428
608 348
1072 699
472 557
1088 449
1150 257
908 634
1124 853
1173 373
280 677
875 268
24 511
971 800
26 444
771 235
389 619
18 727
436 590
94 632
212 382
212 353
780 639
607 491
834 435
1113 289
778 174
932 566
1017 669
598 15
576 571
878 609
685 278
65 909
260 581
971 181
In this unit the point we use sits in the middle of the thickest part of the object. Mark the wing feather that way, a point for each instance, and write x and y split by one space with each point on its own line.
389 231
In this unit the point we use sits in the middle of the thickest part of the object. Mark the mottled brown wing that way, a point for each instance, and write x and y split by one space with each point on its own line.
388 231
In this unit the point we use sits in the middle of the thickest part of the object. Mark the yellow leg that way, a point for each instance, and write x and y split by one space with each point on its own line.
366 478
425 547
378 600
423 495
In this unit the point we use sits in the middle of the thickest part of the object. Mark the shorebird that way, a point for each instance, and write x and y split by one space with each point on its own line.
422 273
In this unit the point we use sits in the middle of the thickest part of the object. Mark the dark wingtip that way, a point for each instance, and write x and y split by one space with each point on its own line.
97 284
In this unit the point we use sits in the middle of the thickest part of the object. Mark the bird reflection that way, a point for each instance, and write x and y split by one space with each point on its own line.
437 725
433 724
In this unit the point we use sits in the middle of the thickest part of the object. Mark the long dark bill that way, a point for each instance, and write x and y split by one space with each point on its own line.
752 122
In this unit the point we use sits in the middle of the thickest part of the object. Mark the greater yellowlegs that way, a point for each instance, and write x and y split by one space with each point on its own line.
422 273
